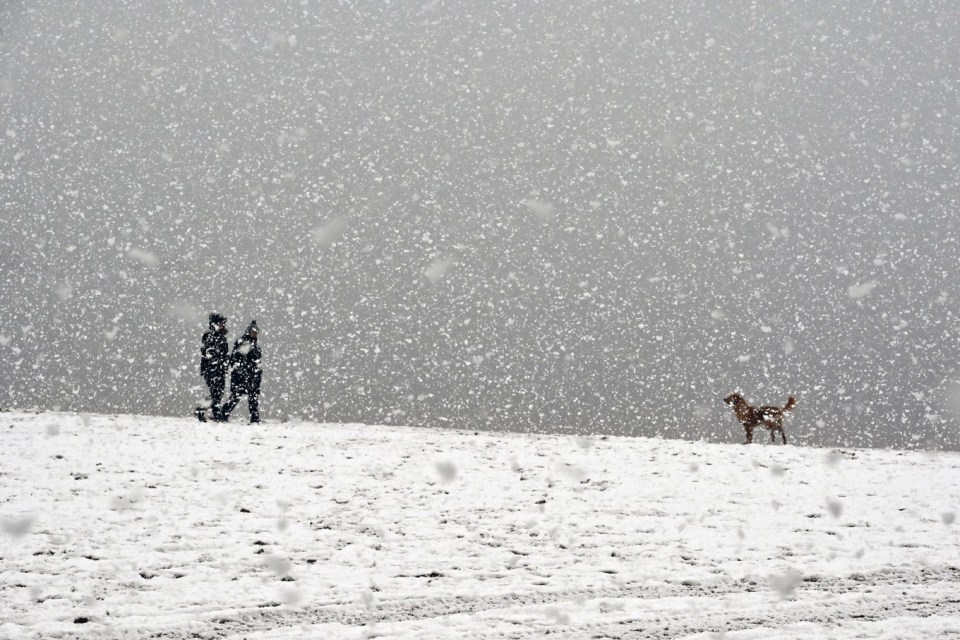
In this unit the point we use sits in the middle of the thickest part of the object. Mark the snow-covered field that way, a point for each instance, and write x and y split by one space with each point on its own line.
121 526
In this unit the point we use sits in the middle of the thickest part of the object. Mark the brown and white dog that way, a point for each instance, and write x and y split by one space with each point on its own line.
770 418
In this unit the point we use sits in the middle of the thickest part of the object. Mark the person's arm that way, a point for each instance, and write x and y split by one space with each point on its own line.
236 355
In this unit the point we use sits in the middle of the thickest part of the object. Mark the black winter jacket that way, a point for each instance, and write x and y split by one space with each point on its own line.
245 360
214 355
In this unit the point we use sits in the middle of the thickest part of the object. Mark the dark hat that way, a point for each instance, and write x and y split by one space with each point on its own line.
216 318
252 327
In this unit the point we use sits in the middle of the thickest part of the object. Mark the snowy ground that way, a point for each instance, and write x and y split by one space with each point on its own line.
120 526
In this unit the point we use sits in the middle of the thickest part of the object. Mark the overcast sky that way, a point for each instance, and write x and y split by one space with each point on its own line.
551 216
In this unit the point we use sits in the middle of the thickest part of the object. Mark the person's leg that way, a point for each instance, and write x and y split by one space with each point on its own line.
201 411
216 390
253 400
216 395
223 414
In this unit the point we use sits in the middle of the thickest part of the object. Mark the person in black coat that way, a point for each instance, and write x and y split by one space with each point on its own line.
245 376
214 360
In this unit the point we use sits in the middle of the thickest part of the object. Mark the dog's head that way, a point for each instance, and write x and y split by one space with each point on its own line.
733 398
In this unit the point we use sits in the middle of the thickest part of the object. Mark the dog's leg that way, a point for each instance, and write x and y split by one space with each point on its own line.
749 435
783 434
772 439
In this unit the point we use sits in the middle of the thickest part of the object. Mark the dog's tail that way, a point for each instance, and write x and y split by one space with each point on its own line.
791 403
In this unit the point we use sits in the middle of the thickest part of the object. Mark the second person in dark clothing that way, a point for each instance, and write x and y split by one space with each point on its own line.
245 376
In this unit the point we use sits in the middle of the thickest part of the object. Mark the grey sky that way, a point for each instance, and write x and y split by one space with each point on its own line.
584 217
